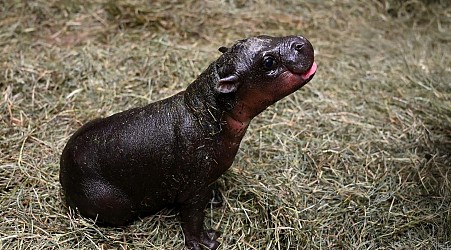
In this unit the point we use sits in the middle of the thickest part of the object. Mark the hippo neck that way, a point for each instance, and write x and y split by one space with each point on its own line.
215 114
214 111
202 102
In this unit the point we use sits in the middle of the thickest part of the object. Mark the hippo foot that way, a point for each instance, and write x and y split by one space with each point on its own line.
207 239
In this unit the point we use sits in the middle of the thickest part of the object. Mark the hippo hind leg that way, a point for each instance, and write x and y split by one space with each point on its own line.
102 201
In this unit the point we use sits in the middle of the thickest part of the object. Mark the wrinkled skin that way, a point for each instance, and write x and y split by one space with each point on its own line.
170 152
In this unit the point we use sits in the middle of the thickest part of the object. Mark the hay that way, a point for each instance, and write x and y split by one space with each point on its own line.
358 159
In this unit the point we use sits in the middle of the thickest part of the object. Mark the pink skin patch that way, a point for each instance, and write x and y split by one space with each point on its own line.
250 105
310 72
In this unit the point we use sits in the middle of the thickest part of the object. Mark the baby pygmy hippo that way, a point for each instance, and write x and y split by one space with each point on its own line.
170 152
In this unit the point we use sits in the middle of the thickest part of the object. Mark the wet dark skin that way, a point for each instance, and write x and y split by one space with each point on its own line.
170 152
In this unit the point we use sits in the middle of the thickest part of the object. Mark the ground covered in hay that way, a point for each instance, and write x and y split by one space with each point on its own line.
358 159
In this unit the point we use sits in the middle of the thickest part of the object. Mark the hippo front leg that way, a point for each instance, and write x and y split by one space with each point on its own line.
192 216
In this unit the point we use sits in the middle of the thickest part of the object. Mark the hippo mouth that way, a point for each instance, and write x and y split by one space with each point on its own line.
307 76
299 79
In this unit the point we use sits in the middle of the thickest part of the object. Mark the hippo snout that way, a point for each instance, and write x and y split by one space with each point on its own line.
300 56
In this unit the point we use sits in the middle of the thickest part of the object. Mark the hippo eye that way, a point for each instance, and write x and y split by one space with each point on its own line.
269 62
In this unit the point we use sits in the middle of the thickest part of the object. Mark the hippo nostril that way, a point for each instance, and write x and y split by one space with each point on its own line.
299 46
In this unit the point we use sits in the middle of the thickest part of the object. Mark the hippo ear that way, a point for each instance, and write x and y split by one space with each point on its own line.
223 49
227 84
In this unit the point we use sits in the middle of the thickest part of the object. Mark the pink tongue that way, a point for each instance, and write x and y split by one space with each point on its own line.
310 72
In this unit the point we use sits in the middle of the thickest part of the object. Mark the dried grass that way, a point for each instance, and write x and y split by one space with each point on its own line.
358 159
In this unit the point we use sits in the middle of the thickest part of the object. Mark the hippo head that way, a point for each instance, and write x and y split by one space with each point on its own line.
261 70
